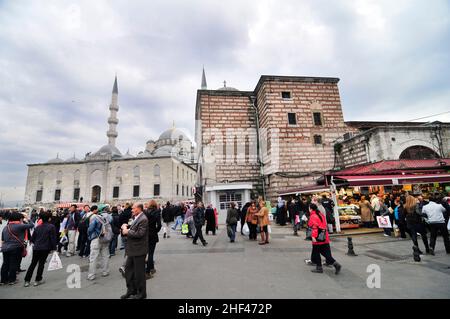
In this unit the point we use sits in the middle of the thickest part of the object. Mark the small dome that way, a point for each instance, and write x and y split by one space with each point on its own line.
166 150
109 150
144 154
127 155
72 159
227 88
55 160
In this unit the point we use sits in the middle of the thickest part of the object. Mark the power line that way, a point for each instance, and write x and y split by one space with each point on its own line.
425 117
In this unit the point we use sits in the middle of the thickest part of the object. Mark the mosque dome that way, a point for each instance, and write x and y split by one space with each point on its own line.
127 155
226 88
173 134
72 159
109 150
55 160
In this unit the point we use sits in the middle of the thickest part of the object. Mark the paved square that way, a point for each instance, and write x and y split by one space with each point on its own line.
276 271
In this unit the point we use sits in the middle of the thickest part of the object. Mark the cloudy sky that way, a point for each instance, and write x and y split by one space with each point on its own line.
58 60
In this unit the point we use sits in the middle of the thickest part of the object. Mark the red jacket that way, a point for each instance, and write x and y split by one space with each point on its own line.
315 222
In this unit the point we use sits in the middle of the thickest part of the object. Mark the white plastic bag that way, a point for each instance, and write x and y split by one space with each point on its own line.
448 225
304 218
269 229
55 263
64 240
246 230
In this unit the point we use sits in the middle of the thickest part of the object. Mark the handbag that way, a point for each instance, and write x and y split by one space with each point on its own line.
24 245
322 235
309 233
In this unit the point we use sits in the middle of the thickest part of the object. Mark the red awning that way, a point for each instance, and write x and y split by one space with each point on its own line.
311 189
401 179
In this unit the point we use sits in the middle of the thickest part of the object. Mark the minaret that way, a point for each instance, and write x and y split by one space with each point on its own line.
112 120
204 85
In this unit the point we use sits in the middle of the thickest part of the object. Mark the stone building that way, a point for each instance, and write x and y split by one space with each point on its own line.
280 135
377 141
165 170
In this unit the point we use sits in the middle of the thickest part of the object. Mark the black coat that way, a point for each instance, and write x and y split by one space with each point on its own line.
167 214
44 237
199 216
125 216
154 225
115 225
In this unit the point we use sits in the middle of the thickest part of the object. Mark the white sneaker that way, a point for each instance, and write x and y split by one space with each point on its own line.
105 274
92 277
386 235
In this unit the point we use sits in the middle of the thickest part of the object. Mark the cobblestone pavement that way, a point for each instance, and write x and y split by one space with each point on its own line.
247 270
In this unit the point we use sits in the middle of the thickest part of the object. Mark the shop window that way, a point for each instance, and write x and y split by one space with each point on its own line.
116 190
225 200
76 194
156 190
39 196
292 119
136 191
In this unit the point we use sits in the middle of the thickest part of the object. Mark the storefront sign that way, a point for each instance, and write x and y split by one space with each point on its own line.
384 222
395 181
407 188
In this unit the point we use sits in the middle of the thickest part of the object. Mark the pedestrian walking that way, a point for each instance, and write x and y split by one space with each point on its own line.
320 241
210 218
242 215
14 237
44 241
83 226
136 249
125 218
414 223
153 215
252 220
100 235
115 225
71 229
168 218
232 220
434 213
199 221
263 222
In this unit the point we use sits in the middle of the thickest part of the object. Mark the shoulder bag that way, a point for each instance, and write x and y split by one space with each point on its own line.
23 244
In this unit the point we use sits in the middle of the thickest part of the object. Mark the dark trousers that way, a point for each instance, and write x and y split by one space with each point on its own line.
113 244
252 228
150 260
435 228
198 233
403 230
39 257
135 275
11 263
323 250
83 242
413 230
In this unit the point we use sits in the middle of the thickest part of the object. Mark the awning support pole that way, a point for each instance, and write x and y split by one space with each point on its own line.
335 209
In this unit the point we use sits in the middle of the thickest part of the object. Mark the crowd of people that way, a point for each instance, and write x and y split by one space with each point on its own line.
93 232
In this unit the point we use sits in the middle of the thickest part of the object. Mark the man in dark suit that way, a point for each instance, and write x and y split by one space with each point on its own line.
136 250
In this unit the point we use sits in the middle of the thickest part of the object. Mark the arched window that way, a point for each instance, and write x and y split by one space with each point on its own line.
118 175
136 174
59 176
76 178
156 170
41 178
418 152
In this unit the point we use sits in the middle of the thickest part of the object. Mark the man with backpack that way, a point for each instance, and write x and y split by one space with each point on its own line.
100 234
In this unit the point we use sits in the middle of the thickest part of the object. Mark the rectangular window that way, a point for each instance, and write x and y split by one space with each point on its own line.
39 196
178 189
156 189
136 191
317 118
58 194
292 119
116 192
317 139
285 95
76 194
182 190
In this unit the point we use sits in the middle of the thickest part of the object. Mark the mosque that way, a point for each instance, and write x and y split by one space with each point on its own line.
165 170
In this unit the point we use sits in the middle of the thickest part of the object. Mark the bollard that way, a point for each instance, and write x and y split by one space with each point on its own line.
416 254
350 252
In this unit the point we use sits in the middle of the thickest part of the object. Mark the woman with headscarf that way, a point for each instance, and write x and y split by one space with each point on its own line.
210 217
281 212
